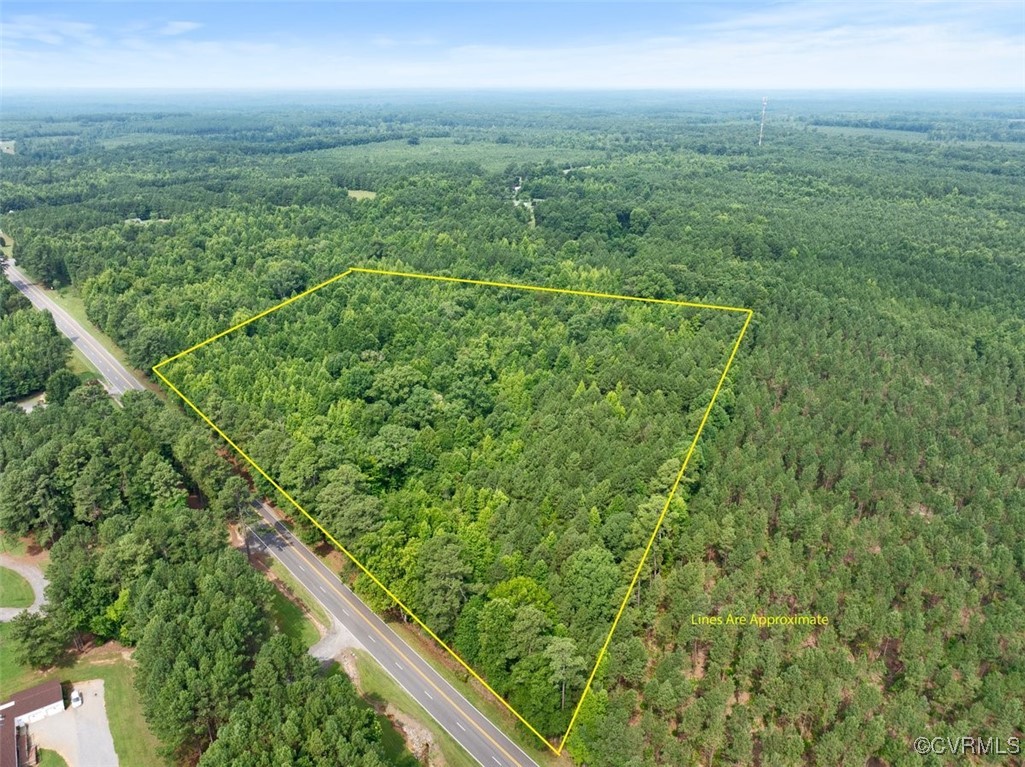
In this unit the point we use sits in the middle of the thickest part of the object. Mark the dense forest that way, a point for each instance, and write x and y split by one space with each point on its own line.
495 457
131 561
866 464
32 350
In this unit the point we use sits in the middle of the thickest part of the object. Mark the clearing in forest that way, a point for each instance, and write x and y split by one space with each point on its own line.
500 462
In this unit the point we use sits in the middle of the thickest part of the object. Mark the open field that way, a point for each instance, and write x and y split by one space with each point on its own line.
875 133
906 135
491 156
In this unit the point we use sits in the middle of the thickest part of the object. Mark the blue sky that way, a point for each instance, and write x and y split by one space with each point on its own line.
900 44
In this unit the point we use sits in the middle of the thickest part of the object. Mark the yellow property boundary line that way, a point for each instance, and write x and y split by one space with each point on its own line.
748 314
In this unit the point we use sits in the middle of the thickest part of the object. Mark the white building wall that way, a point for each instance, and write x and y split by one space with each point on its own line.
39 713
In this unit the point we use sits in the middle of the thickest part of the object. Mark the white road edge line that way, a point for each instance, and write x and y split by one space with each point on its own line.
292 542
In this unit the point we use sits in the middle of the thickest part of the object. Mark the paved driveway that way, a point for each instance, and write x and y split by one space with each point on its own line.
80 735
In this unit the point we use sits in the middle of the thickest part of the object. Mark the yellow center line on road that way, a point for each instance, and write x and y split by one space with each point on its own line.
331 582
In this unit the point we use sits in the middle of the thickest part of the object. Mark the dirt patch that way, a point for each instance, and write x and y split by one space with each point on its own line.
235 538
921 510
332 557
418 738
31 402
347 660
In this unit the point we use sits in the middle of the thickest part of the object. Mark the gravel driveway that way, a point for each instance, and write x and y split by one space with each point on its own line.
80 735
338 638
33 574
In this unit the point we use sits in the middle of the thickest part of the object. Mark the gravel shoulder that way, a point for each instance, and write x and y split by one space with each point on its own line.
334 641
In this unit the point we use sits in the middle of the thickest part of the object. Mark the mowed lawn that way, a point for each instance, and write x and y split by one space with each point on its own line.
15 591
50 759
136 746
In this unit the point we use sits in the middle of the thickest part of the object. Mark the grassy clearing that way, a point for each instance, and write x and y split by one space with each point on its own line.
482 701
10 670
291 620
6 242
362 194
312 606
15 591
136 746
81 367
137 139
379 687
69 300
491 156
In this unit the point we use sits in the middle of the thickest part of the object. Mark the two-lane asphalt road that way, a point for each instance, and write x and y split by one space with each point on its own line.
116 377
468 726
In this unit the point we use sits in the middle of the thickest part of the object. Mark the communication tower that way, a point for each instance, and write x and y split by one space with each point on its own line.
761 129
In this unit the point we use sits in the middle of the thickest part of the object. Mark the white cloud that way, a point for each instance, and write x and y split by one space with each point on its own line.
172 28
50 30
800 46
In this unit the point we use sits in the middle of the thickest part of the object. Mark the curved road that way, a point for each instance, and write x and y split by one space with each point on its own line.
468 726
116 378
